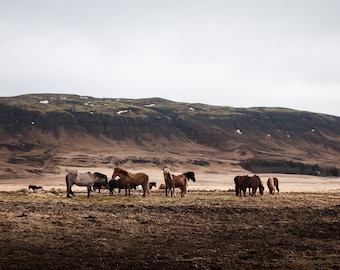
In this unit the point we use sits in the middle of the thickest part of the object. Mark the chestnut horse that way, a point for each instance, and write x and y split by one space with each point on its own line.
273 183
180 181
169 182
130 180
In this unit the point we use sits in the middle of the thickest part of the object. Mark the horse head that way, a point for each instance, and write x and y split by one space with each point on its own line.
119 172
167 174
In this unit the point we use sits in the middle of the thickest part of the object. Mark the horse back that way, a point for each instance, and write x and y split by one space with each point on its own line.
255 181
242 181
180 180
84 179
136 179
271 183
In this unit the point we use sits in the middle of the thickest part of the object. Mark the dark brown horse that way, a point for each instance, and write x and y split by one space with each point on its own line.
273 183
130 180
255 182
241 184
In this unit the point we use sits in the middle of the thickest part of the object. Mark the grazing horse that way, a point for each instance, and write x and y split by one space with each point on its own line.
34 187
79 179
130 180
255 182
273 183
190 175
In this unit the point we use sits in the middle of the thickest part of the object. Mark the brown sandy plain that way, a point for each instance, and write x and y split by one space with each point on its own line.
211 228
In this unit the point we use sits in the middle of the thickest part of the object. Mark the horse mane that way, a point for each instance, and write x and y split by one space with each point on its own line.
122 171
71 171
166 170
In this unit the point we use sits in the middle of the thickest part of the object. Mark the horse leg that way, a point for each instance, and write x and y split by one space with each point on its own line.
69 191
67 187
236 190
127 188
144 190
254 191
88 191
184 191
147 188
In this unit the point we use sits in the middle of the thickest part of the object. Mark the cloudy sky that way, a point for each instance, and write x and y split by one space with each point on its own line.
244 53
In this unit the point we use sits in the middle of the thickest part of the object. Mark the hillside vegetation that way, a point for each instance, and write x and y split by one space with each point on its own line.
43 131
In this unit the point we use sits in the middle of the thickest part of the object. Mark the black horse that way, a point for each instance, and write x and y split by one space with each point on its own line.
190 175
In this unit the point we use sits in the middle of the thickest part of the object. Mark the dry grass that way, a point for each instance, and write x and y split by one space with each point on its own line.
206 230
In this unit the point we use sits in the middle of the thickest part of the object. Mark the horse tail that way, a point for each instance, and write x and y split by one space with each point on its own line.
67 185
236 185
277 184
147 185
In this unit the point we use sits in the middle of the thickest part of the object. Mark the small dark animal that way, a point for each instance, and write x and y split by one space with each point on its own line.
34 187
101 181
152 184
114 183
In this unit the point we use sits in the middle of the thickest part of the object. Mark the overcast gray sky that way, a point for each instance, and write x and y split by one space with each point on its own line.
242 53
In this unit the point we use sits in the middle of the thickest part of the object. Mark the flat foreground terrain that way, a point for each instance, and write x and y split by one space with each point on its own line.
205 230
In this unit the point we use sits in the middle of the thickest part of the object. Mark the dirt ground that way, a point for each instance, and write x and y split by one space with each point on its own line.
208 229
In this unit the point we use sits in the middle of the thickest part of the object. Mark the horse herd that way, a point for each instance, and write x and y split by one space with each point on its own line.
122 179
242 182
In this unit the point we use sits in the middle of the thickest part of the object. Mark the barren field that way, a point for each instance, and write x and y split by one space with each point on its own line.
211 228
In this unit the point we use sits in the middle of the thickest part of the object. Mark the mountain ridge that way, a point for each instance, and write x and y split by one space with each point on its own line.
51 125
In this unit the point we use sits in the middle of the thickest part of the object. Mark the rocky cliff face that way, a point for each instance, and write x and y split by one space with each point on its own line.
50 123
